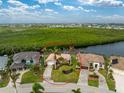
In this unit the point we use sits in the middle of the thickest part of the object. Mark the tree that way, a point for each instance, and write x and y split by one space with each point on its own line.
106 66
35 69
14 76
76 91
37 88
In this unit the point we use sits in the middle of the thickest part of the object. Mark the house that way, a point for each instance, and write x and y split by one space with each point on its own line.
25 58
52 59
88 61
3 62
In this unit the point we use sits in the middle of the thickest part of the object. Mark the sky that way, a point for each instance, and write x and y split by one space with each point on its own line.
61 11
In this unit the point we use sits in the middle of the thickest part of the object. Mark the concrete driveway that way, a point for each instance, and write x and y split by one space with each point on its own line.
47 73
119 79
102 81
83 77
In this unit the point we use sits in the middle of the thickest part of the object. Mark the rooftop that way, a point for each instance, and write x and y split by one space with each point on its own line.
120 64
27 56
85 58
3 62
51 57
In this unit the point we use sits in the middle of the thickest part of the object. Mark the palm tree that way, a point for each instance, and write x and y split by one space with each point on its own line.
76 91
14 76
36 88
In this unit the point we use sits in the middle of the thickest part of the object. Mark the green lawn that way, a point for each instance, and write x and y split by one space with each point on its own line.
30 77
109 80
5 82
33 38
94 83
59 76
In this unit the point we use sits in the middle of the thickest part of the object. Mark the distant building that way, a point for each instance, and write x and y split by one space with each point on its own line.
3 62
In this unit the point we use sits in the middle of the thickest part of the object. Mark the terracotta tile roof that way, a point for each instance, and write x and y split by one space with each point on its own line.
51 57
84 59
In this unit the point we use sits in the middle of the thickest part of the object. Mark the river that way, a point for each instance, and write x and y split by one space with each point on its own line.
107 49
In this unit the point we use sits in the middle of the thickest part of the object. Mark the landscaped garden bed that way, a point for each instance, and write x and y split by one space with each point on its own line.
67 73
109 79
59 76
93 80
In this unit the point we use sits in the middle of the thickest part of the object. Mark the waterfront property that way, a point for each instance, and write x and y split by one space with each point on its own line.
3 62
90 61
54 59
24 58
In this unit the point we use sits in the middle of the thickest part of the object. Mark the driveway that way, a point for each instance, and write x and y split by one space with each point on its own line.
83 77
10 84
48 72
102 81
119 79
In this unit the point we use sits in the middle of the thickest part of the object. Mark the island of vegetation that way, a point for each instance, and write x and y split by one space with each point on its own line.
36 37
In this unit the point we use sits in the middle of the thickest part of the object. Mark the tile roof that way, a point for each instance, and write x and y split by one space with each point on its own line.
84 59
27 56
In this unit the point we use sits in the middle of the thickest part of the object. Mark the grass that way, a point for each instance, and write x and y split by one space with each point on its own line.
30 77
33 38
94 82
4 82
109 80
59 76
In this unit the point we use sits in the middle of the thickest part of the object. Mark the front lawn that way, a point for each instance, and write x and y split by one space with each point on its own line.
59 76
94 82
4 82
109 80
31 77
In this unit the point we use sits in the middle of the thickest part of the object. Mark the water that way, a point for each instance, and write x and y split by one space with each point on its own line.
107 50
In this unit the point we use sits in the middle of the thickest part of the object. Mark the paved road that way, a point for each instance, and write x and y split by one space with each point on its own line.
56 88
83 77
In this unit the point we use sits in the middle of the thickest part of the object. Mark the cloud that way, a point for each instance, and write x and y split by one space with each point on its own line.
70 8
34 7
21 5
111 18
86 10
58 3
50 11
0 2
46 1
113 3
